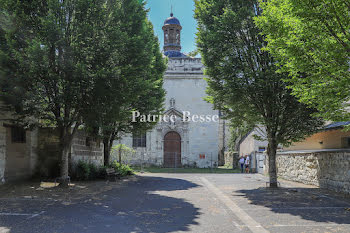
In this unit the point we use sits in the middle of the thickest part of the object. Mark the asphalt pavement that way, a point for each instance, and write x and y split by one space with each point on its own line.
198 203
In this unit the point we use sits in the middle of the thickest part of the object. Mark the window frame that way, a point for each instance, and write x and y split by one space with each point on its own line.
139 141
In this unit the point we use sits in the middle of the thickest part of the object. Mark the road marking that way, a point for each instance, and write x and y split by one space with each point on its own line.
300 225
35 215
311 225
4 230
254 226
21 214
14 214
297 208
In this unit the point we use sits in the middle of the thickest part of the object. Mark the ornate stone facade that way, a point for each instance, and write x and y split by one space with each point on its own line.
179 126
185 91
185 66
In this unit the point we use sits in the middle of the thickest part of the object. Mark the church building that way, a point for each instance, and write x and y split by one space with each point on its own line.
180 143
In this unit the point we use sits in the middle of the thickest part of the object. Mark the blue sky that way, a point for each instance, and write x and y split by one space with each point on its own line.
183 10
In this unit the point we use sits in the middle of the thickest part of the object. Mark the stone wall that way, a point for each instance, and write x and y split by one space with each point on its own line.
21 157
87 149
49 152
327 169
17 160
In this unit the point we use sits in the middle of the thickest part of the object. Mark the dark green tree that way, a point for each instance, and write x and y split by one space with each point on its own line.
311 41
137 84
243 82
50 46
62 61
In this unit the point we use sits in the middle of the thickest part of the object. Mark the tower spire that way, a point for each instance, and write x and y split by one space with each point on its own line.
172 36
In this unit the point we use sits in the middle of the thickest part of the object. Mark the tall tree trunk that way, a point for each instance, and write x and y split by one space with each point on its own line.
107 148
111 141
106 151
271 153
120 152
64 165
66 139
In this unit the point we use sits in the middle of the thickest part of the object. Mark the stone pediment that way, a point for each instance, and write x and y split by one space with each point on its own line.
177 113
177 123
173 111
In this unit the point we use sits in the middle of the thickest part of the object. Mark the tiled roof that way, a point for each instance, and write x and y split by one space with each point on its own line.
172 20
336 125
173 53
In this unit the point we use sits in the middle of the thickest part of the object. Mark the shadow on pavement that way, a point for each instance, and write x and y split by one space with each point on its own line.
308 203
134 207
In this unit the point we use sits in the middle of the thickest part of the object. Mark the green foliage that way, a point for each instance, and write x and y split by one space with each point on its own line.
93 171
82 171
51 60
193 53
123 169
243 82
237 132
88 171
311 41
73 63
137 67
122 151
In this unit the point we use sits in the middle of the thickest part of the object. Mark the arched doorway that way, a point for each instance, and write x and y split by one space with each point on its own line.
172 150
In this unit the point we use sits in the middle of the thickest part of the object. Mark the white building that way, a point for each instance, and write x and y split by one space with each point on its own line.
180 143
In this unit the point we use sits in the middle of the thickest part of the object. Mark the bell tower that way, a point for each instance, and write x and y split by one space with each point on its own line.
172 35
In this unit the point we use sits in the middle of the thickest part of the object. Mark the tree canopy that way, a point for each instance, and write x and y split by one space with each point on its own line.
310 39
66 62
243 82
138 67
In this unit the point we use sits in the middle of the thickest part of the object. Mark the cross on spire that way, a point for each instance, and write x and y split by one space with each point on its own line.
171 14
172 102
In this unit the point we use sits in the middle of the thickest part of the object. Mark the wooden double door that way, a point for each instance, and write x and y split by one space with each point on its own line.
172 150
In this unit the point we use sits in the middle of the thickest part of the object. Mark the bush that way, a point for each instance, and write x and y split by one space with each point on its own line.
82 171
123 169
101 172
88 171
93 171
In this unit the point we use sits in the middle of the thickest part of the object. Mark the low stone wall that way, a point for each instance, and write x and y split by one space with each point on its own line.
330 170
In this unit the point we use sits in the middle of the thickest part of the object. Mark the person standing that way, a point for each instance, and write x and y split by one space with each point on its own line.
247 163
241 161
